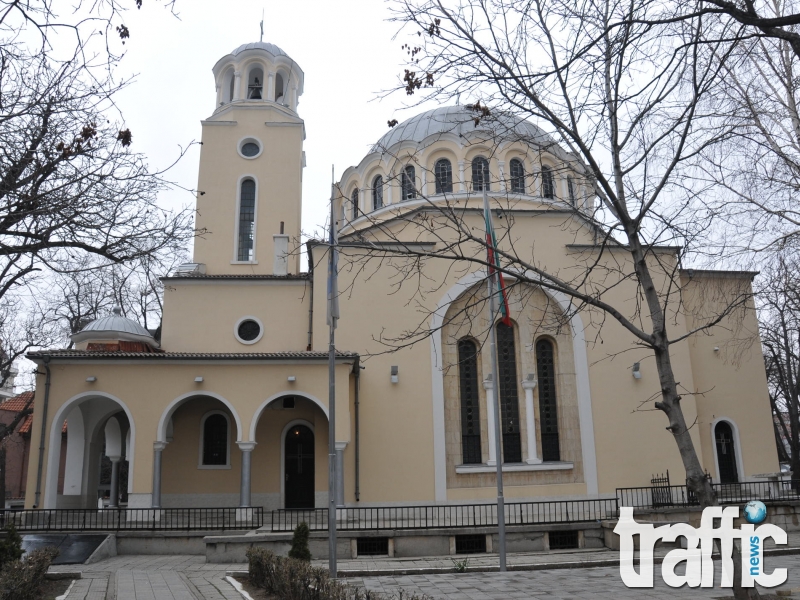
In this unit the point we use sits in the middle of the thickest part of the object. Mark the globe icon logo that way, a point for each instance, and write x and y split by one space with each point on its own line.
755 512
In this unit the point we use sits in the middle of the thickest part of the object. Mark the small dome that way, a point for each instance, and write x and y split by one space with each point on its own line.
115 327
271 48
460 121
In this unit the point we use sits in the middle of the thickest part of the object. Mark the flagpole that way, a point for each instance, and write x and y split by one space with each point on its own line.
332 290
501 516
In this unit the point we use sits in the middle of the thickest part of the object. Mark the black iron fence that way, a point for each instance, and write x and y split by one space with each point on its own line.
135 519
447 516
665 496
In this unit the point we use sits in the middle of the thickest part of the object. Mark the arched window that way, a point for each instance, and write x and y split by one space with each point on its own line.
377 193
480 174
470 413
517 176
247 218
726 453
548 189
548 411
354 202
255 84
443 172
509 393
215 440
231 79
571 190
278 87
407 179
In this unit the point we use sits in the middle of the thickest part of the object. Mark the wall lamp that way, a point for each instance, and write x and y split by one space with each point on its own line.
291 378
91 379
637 374
198 380
395 377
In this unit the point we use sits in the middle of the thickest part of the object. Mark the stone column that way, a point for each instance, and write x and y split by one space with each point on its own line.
462 185
340 446
237 86
158 447
270 95
244 491
501 171
113 495
488 385
387 199
533 458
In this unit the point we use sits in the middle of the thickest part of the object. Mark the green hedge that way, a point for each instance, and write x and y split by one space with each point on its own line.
291 579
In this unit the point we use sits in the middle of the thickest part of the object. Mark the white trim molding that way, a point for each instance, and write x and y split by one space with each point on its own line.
200 463
585 416
236 260
279 395
249 140
161 433
516 467
737 447
242 320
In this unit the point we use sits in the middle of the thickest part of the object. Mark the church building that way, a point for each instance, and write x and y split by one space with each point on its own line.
229 408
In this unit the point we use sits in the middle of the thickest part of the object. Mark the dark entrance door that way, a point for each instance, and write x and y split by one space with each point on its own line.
299 467
726 453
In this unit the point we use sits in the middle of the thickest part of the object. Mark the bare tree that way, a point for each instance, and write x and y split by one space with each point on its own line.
632 105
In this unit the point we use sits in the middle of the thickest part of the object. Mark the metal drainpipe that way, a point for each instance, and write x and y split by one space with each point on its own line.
358 368
43 433
311 296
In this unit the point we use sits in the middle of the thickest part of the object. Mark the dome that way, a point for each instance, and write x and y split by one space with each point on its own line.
460 121
271 48
115 327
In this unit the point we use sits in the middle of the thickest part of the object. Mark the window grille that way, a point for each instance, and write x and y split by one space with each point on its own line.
480 174
571 190
247 215
372 546
443 172
548 410
548 188
563 540
407 179
354 201
471 544
517 176
215 440
470 413
377 193
509 393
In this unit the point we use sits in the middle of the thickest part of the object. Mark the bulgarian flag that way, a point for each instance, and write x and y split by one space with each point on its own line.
494 260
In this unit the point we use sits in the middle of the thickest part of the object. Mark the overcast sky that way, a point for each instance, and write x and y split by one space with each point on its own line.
345 49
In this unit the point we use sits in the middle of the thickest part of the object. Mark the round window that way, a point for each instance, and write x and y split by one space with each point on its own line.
249 330
250 149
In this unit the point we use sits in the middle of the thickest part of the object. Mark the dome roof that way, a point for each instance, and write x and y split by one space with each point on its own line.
115 327
271 48
460 121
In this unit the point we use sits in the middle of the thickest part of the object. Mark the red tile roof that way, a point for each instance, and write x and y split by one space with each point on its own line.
16 404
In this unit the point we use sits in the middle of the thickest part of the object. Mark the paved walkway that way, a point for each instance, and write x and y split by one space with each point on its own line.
190 578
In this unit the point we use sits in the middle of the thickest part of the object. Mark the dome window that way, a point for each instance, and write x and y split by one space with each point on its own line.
408 176
548 188
354 203
443 172
377 193
249 148
517 176
480 174
248 330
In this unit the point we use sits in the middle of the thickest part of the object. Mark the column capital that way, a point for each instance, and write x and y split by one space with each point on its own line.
113 459
159 446
528 384
246 446
488 384
341 445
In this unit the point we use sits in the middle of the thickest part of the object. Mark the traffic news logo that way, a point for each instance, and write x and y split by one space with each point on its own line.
698 547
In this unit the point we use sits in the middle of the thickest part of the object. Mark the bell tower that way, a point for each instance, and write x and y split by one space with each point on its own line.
251 163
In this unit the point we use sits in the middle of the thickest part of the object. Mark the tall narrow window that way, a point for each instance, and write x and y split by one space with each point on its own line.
571 190
215 440
548 411
480 174
509 393
726 453
354 203
548 188
278 88
443 171
247 216
470 414
407 178
517 176
377 193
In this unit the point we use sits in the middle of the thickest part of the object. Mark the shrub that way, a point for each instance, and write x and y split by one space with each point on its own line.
300 549
292 579
22 579
10 545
